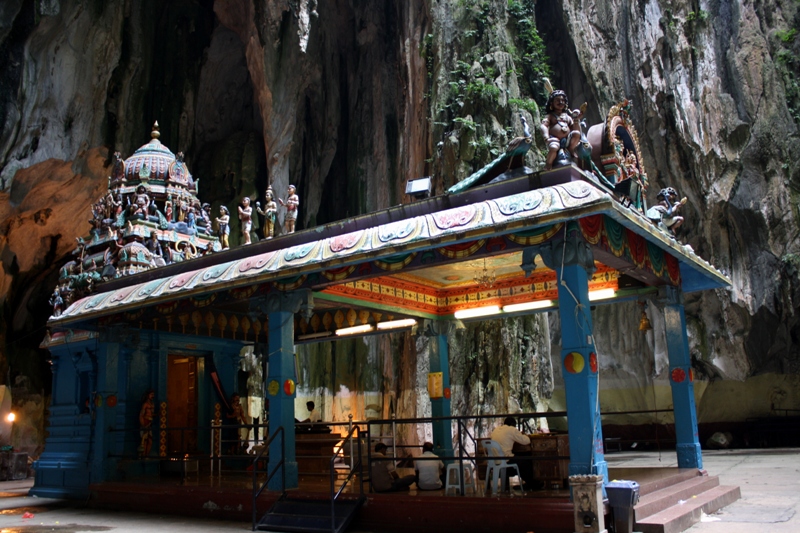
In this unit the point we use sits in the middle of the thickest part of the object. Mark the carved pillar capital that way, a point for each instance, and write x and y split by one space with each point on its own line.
669 295
433 328
299 301
566 249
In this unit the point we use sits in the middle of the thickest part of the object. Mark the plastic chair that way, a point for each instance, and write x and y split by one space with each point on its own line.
453 478
497 469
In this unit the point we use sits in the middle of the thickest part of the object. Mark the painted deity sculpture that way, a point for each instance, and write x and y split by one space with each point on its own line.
561 128
223 222
246 217
665 214
146 415
270 213
292 203
141 202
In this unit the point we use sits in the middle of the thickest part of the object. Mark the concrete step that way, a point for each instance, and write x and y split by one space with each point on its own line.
684 515
649 486
657 501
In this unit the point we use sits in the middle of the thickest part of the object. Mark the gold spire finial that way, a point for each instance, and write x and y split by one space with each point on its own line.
155 133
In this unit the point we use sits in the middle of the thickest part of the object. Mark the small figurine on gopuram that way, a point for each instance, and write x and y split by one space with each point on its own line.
246 217
270 213
223 221
665 213
292 203
561 127
146 415
141 202
57 301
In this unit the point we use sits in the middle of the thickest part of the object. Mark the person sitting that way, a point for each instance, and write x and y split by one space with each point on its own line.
508 434
383 474
429 472
313 415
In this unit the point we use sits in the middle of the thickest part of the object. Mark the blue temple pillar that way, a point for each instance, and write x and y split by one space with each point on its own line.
281 380
440 406
681 380
571 258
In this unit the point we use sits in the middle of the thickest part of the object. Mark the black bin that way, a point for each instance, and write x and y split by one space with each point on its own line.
622 496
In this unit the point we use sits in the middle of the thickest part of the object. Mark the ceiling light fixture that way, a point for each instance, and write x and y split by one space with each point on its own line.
366 328
478 311
484 278
528 306
394 324
602 294
318 335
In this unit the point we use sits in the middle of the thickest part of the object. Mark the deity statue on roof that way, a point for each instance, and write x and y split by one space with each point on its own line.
223 222
561 129
246 217
270 213
665 214
292 203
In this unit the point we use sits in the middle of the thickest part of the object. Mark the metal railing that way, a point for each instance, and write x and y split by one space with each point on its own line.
463 434
354 466
280 465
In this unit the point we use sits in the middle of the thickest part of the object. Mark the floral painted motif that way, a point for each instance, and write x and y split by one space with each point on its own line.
298 252
396 230
255 262
454 217
181 279
345 242
517 203
216 271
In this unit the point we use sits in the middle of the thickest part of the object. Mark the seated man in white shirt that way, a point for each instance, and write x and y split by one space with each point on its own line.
429 471
508 434
313 414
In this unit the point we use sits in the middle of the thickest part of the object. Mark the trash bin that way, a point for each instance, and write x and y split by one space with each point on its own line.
622 496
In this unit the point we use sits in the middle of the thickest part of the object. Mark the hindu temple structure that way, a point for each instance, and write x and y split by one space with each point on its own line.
566 238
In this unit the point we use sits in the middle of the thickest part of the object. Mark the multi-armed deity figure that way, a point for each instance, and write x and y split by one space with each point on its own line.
246 217
292 203
270 213
665 214
561 127
223 221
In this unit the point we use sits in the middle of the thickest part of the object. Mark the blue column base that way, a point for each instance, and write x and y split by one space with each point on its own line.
689 455
600 468
276 483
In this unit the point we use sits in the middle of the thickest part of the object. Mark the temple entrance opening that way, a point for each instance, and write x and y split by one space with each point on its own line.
182 402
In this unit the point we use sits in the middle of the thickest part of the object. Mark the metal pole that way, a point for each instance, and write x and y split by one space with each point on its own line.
350 432
460 461
394 439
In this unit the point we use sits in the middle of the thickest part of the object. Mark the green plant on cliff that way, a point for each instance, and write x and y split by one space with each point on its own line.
695 21
787 61
530 49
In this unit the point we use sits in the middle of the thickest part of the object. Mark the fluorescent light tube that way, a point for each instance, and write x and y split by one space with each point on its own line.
366 328
394 324
527 306
602 294
479 311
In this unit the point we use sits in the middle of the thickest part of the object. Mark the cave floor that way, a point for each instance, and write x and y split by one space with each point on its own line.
769 479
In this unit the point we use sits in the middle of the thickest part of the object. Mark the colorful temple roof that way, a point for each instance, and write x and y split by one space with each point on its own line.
403 263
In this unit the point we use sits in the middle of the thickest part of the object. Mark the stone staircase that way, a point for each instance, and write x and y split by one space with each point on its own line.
674 503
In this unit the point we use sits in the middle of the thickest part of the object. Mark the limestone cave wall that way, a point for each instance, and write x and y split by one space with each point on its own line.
349 99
